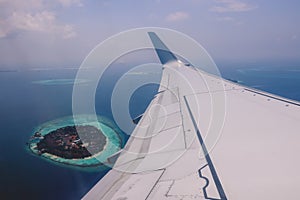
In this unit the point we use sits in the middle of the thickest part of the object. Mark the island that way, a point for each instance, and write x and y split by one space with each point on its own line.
87 143
66 143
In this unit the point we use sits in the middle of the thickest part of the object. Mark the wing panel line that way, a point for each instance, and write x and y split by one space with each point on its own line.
207 156
155 184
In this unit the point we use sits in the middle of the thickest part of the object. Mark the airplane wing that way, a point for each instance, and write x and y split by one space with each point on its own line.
203 137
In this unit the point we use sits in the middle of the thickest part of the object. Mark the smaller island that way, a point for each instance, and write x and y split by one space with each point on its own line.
66 143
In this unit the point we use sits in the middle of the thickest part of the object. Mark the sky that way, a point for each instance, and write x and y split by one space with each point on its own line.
61 33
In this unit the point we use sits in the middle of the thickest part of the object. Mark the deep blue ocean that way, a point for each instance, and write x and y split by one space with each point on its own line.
26 102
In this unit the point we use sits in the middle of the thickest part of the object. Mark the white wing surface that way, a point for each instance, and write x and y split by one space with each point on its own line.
203 137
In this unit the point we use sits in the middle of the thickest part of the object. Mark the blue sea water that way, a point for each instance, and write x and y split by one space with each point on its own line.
280 80
29 98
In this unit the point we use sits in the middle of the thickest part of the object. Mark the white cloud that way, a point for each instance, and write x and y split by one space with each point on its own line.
33 15
10 5
226 18
68 32
177 16
40 21
232 6
68 3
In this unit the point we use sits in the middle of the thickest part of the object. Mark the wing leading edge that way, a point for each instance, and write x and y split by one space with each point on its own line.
166 156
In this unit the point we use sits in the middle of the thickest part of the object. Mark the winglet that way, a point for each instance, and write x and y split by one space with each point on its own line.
164 54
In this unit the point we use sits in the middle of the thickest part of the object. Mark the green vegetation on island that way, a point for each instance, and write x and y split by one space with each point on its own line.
66 143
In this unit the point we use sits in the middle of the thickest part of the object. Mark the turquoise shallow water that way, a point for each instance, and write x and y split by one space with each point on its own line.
60 82
111 132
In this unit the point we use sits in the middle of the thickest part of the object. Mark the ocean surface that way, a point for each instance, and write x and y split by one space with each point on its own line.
29 98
